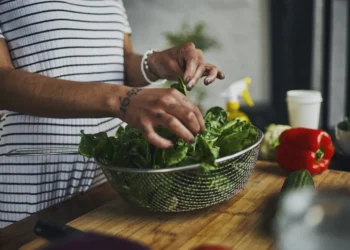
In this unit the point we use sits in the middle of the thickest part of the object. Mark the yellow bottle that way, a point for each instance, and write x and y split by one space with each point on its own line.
237 89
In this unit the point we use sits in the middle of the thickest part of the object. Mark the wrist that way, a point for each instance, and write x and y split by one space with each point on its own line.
113 99
153 61
149 63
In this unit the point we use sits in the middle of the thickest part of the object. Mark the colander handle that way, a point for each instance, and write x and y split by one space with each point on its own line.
42 151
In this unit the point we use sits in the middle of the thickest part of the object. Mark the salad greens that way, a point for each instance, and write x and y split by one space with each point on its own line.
129 149
174 192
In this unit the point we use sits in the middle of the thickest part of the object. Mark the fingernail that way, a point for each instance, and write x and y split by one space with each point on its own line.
208 81
190 84
188 79
171 146
223 76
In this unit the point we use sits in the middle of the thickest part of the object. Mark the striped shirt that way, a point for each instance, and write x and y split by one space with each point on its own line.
80 40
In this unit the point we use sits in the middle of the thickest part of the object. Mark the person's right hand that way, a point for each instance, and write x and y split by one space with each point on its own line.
146 109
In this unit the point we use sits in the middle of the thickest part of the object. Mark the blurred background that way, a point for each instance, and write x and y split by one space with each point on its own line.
280 44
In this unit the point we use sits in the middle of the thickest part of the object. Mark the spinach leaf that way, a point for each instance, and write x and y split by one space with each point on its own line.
215 118
180 86
207 153
89 142
174 156
103 152
236 138
128 148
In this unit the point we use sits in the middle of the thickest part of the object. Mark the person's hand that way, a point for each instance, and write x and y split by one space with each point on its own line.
186 61
146 109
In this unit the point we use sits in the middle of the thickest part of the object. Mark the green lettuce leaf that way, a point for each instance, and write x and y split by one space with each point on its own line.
129 149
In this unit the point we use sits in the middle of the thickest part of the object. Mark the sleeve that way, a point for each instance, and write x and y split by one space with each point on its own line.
127 28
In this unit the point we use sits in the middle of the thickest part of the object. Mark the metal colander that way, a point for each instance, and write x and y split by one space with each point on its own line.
177 189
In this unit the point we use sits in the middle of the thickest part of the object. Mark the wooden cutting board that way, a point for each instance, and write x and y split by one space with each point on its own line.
240 223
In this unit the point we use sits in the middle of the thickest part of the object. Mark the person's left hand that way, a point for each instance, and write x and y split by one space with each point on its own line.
186 61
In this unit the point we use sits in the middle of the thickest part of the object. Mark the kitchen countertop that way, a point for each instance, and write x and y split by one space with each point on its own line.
21 232
240 222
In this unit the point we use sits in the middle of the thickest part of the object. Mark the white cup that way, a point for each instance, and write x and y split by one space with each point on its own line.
304 107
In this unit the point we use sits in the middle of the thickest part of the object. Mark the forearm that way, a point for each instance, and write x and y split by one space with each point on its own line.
39 95
133 73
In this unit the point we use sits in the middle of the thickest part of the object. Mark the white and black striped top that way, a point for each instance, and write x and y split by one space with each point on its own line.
79 40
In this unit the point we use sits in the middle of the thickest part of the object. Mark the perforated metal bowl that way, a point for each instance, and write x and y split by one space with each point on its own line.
185 188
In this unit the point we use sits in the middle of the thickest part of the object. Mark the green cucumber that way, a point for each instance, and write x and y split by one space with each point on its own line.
297 180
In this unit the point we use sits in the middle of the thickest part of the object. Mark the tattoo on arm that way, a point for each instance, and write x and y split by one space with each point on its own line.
124 102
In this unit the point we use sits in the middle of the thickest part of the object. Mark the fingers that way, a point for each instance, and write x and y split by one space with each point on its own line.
155 139
199 73
176 127
191 57
187 117
187 112
213 72
195 110
200 119
195 68
181 117
169 108
221 75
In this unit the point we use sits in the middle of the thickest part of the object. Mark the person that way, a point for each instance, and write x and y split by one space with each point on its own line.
67 66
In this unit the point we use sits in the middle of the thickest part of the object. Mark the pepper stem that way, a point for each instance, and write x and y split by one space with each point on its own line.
319 154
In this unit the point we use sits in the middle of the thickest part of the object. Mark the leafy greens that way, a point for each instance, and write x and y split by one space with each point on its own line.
129 149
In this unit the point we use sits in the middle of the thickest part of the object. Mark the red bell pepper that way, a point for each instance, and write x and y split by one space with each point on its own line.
303 148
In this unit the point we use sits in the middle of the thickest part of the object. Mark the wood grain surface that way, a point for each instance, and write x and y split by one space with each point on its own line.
21 232
240 223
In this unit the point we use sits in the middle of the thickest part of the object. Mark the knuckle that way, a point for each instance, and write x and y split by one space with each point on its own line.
149 136
199 52
152 102
196 110
193 59
189 45
163 100
201 68
172 91
214 69
170 122
172 65
190 116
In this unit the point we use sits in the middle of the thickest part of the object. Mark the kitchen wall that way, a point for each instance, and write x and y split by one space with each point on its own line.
240 26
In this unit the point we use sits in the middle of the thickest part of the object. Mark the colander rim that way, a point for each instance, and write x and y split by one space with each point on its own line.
182 168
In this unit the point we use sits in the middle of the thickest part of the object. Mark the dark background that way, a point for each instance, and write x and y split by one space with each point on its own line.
292 40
